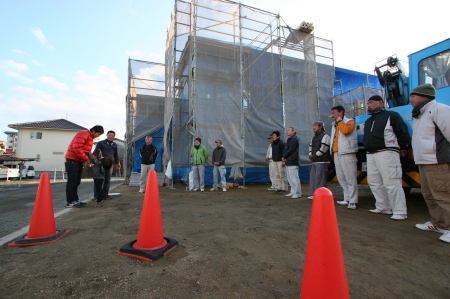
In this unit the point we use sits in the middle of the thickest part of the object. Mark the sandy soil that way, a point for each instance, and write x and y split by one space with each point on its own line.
236 244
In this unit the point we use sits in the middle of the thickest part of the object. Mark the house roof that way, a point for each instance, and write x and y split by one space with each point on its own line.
58 124
10 132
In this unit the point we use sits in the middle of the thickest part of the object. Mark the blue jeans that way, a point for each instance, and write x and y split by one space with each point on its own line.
223 171
106 183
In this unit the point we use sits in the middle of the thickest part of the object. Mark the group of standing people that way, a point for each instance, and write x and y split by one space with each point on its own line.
101 160
284 163
199 154
386 140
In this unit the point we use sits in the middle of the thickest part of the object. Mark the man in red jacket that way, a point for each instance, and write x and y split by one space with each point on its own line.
75 157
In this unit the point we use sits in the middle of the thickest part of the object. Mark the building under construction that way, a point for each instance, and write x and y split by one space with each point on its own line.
235 73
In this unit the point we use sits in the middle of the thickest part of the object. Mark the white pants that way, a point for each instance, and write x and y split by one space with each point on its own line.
294 180
144 173
346 174
272 174
384 174
280 175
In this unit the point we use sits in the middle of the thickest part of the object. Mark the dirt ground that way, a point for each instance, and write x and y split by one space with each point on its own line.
237 244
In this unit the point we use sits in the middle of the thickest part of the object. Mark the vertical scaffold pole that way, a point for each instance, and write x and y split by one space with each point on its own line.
128 146
173 83
281 73
241 73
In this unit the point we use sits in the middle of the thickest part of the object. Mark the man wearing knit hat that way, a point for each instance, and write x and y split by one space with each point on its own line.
386 138
319 154
430 142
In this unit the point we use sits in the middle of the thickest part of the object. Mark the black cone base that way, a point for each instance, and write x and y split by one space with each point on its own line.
148 255
22 241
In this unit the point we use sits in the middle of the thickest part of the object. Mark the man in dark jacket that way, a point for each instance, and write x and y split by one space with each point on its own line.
98 174
280 171
148 155
218 160
108 148
292 163
386 137
319 154
75 157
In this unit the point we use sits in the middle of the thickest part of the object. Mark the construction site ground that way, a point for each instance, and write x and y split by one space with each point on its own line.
243 243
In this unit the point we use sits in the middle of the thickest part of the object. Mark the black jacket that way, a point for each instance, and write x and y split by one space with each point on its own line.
148 154
277 150
386 130
109 151
98 171
316 145
219 155
290 152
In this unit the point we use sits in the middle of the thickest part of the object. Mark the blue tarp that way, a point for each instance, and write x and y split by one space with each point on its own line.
350 80
252 175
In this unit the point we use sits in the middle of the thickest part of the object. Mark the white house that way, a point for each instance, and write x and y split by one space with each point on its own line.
46 141
11 142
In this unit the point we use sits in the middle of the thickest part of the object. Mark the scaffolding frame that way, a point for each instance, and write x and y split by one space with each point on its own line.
233 50
145 102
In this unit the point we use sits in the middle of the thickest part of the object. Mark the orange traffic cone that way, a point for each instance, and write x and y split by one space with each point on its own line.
42 225
150 244
324 272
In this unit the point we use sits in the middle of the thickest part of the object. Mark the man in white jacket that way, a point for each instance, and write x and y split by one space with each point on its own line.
344 145
430 143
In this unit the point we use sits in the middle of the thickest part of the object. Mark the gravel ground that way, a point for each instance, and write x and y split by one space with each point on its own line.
236 244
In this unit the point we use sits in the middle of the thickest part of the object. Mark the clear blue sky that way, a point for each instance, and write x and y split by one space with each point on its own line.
61 58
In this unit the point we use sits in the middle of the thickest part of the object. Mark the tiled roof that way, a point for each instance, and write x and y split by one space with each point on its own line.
59 124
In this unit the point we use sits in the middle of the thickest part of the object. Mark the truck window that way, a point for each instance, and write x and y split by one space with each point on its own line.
435 70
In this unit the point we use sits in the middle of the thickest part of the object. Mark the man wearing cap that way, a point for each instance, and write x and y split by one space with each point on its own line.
430 143
199 154
292 163
386 138
271 164
218 159
344 145
319 154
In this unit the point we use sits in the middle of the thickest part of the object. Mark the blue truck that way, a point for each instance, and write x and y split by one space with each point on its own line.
429 65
